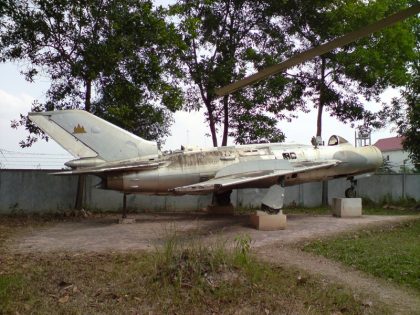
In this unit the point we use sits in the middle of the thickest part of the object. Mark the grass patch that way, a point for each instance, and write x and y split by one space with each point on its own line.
180 277
8 285
389 210
391 252
366 210
388 206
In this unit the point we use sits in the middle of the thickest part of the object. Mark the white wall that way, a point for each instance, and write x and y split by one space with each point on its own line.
397 159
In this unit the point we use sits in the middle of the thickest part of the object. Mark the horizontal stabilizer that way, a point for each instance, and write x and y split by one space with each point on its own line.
105 168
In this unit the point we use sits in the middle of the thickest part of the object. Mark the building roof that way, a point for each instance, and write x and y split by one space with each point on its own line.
390 144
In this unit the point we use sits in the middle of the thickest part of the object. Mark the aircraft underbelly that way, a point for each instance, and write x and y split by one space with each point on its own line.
158 181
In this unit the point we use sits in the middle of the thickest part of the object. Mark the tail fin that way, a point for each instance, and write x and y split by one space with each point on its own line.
84 135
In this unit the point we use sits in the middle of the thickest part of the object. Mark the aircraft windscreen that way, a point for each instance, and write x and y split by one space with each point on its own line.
336 140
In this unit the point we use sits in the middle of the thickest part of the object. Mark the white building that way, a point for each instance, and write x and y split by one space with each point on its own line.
392 151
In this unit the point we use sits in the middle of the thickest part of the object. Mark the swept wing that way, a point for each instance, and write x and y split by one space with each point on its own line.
238 174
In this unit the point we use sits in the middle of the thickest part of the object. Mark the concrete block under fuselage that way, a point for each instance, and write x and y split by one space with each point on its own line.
347 207
268 222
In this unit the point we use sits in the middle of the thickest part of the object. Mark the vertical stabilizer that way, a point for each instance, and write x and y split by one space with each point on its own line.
85 135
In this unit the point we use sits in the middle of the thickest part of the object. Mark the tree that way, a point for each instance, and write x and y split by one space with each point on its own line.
410 127
405 113
225 39
96 52
387 167
341 81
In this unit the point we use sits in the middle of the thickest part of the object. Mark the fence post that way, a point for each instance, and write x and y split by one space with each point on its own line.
403 184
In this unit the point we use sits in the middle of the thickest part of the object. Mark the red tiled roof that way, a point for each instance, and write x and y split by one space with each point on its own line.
390 144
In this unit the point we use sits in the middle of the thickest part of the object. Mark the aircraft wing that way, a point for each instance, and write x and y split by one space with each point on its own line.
233 176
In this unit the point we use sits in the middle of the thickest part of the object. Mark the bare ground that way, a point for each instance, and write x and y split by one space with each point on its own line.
150 230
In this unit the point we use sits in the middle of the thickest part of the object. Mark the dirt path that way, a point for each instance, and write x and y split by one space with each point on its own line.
401 301
150 230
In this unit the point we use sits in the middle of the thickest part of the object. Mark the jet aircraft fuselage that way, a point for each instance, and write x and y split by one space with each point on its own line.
192 166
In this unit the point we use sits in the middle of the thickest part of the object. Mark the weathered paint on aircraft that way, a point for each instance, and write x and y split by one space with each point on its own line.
130 164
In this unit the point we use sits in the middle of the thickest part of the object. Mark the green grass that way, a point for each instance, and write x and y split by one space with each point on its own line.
391 252
8 285
369 210
183 278
366 210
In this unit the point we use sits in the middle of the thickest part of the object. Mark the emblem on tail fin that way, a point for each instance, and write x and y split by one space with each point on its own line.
79 129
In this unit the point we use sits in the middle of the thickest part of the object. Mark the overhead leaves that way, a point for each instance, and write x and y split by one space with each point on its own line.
95 52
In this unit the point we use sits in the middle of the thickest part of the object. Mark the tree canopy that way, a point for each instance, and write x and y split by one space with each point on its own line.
404 111
115 58
123 61
409 125
228 39
343 80
225 39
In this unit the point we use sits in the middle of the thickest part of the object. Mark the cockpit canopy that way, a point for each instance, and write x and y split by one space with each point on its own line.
336 140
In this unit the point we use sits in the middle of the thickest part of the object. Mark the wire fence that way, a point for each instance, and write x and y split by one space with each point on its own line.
30 160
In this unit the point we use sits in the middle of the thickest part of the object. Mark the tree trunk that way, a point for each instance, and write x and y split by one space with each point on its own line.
324 197
319 120
79 194
212 123
81 178
321 100
225 120
88 95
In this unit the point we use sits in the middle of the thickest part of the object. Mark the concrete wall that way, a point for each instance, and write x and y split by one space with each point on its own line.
33 191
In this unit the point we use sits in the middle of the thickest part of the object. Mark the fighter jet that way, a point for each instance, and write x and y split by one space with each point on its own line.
130 164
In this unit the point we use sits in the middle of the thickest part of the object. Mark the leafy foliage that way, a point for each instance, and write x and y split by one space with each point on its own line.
387 167
341 81
229 39
225 39
98 54
405 112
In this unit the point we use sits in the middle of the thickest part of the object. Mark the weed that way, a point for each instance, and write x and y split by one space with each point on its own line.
15 210
242 249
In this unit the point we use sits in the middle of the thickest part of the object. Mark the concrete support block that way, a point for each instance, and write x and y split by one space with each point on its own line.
347 207
268 222
126 220
216 209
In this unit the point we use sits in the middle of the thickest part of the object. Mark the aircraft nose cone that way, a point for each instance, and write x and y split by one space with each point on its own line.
379 158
